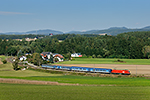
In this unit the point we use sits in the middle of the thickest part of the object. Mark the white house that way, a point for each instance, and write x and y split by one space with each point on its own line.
47 55
76 55
59 57
22 58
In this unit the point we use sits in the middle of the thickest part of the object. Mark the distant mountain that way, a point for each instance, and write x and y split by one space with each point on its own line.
13 33
45 32
110 31
113 31
40 32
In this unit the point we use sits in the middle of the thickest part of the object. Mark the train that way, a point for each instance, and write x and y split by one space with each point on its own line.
87 69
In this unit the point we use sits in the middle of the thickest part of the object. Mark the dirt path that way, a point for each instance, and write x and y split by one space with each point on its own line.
135 69
21 81
1 61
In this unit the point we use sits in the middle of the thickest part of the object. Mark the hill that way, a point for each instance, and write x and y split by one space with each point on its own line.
113 31
110 31
35 32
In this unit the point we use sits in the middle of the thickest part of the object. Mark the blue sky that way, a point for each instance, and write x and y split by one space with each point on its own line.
72 15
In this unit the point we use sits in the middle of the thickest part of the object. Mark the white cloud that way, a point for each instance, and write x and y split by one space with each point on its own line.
12 13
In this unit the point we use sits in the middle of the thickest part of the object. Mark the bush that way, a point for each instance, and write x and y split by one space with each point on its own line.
99 56
45 62
15 64
4 61
89 56
56 59
72 59
148 56
93 56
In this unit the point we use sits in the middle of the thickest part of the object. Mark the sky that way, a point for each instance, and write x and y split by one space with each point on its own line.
72 15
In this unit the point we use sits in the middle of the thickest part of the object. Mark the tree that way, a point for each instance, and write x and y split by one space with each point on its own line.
15 64
12 50
99 56
4 61
68 55
26 49
51 58
37 60
19 54
93 56
146 51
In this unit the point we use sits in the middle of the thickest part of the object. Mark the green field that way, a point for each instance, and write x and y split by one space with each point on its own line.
3 57
47 92
120 81
107 61
94 88
7 70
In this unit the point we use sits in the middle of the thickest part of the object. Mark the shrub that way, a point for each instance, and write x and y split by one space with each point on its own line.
15 64
72 59
4 61
148 56
99 56
93 56
56 59
89 56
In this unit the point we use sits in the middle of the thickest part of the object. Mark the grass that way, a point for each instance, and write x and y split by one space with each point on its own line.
120 81
108 88
107 61
2 57
47 92
7 70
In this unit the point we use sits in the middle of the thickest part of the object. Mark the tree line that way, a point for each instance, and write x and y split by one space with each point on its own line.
131 45
3 36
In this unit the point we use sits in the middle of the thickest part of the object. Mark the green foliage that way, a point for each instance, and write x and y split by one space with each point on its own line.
99 56
15 64
67 56
51 59
56 59
93 56
73 59
19 36
146 51
148 56
4 61
132 45
37 60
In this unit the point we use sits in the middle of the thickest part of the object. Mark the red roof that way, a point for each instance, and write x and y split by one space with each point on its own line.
58 55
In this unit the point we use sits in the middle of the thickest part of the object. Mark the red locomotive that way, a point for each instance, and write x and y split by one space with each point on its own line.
125 72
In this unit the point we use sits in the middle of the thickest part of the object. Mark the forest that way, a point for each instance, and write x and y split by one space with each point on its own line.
131 45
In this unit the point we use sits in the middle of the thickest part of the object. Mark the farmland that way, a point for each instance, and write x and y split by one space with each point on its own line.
87 87
53 92
108 61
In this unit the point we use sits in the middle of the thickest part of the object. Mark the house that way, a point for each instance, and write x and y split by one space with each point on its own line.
51 34
22 58
76 55
46 55
58 56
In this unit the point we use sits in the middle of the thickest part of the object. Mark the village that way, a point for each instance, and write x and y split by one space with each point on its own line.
48 56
